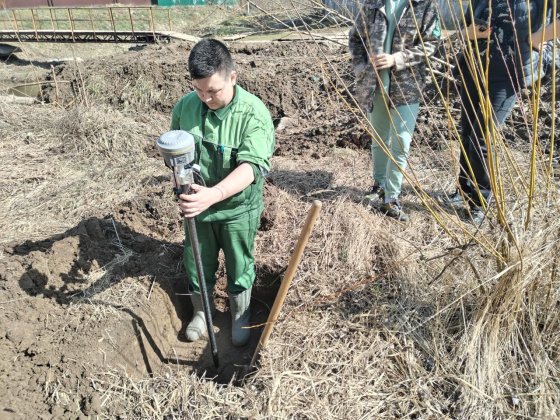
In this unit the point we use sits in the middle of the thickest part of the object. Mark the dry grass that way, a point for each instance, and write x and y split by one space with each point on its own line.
434 319
383 320
52 154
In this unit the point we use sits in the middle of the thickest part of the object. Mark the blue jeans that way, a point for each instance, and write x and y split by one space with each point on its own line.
502 94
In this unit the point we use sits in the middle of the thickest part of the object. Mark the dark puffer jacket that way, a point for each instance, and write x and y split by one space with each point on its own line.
512 22
415 39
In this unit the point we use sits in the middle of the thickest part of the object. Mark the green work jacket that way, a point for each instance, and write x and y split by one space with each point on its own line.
240 132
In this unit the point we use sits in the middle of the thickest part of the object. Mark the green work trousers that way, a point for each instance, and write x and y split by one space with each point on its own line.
236 238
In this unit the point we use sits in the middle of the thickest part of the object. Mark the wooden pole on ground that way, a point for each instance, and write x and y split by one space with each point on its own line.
112 21
288 277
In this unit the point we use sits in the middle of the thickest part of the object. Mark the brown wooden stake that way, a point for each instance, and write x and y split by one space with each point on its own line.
91 21
150 23
288 277
83 85
169 19
112 20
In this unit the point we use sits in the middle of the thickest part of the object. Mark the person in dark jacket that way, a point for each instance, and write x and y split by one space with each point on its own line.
501 65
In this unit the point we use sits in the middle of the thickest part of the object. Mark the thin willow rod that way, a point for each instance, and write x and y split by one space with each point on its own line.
492 165
449 132
536 101
475 68
439 91
512 166
516 40
451 123
422 197
433 76
466 293
485 112
553 107
488 139
507 151
446 106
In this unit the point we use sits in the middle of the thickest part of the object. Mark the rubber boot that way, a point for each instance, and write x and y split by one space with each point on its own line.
240 315
197 327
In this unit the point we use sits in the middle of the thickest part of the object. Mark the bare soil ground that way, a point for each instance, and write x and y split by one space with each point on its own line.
93 292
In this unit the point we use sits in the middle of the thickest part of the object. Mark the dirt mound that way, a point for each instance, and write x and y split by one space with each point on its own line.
155 77
301 97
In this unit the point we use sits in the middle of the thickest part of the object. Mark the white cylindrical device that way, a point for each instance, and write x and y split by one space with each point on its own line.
177 147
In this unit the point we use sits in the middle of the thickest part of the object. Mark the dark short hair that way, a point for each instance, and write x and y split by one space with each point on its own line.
209 56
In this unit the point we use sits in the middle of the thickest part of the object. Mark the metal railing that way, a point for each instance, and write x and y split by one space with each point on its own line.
83 24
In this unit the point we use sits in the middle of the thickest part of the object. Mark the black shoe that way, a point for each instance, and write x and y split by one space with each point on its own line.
476 215
556 167
394 210
455 200
377 193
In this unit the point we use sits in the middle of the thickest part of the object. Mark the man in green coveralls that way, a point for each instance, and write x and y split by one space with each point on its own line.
235 140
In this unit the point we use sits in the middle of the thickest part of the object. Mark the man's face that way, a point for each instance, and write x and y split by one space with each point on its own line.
216 91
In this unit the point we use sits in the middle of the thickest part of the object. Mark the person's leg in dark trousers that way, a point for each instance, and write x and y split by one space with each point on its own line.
502 97
469 102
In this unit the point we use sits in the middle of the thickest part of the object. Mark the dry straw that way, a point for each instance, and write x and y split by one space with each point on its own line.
436 319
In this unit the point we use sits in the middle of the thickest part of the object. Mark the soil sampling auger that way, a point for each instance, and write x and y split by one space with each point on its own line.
177 147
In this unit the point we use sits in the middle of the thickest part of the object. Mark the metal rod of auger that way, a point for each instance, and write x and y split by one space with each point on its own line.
195 246
288 277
